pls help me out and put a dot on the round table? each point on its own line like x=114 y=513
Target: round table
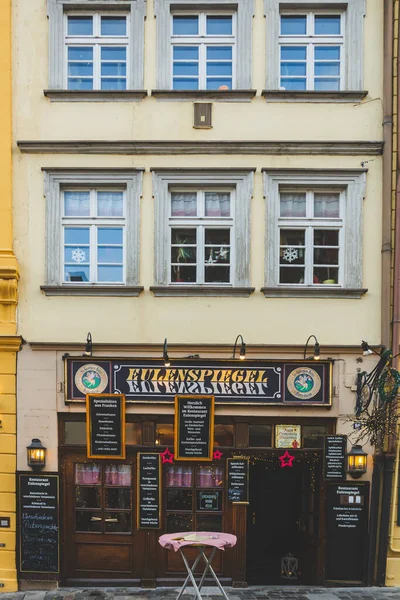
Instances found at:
x=199 y=540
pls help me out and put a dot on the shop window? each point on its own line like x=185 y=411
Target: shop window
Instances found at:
x=313 y=436
x=194 y=497
x=133 y=434
x=260 y=436
x=223 y=435
x=164 y=434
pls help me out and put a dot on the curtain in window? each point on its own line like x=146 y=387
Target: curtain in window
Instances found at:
x=184 y=204
x=293 y=205
x=118 y=475
x=326 y=205
x=110 y=204
x=88 y=474
x=218 y=204
x=77 y=204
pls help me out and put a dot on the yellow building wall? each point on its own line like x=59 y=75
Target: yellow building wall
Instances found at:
x=9 y=343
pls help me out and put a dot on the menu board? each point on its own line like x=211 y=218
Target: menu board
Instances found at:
x=209 y=500
x=38 y=523
x=347 y=531
x=238 y=480
x=105 y=425
x=335 y=457
x=149 y=491
x=194 y=428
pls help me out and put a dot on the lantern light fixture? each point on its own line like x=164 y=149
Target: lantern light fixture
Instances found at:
x=317 y=350
x=356 y=462
x=89 y=345
x=366 y=348
x=167 y=362
x=242 y=353
x=36 y=455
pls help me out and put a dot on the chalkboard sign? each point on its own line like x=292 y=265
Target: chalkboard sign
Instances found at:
x=105 y=425
x=346 y=531
x=149 y=491
x=194 y=428
x=38 y=523
x=209 y=500
x=238 y=480
x=335 y=457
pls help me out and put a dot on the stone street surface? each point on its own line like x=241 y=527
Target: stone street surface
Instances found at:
x=212 y=593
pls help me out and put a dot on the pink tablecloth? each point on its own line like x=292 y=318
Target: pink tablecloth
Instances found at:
x=174 y=541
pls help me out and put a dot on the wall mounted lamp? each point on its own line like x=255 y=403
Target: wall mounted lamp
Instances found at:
x=36 y=455
x=89 y=345
x=356 y=462
x=317 y=351
x=167 y=362
x=242 y=353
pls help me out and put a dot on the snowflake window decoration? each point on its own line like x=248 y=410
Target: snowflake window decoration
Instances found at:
x=78 y=255
x=290 y=254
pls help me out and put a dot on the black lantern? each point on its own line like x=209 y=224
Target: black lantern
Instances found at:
x=36 y=454
x=356 y=462
x=317 y=351
x=242 y=353
x=167 y=362
x=89 y=345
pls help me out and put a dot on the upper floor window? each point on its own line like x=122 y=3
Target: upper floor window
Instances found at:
x=203 y=51
x=311 y=51
x=97 y=50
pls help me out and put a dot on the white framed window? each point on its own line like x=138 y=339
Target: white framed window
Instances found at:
x=311 y=50
x=96 y=51
x=93 y=234
x=92 y=231
x=311 y=236
x=203 y=47
x=313 y=241
x=201 y=233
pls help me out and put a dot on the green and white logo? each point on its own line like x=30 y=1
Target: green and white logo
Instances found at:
x=304 y=383
x=91 y=378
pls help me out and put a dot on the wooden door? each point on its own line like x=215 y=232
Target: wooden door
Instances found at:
x=99 y=521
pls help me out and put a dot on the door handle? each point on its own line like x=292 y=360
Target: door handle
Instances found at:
x=254 y=518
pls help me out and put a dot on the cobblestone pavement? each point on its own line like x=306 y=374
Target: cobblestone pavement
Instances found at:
x=211 y=593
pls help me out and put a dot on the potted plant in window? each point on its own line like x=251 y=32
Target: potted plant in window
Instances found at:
x=182 y=256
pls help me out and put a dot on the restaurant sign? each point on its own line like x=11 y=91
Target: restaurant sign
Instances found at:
x=230 y=382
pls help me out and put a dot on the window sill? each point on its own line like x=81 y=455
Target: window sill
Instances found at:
x=200 y=290
x=95 y=95
x=211 y=95
x=91 y=290
x=313 y=292
x=311 y=96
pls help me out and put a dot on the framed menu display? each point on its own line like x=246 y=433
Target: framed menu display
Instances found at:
x=238 y=480
x=149 y=490
x=105 y=426
x=194 y=428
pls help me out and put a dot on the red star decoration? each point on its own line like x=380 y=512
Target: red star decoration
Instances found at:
x=167 y=456
x=286 y=460
x=217 y=455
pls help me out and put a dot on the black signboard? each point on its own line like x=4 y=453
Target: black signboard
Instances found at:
x=347 y=531
x=38 y=523
x=194 y=427
x=105 y=425
x=238 y=480
x=209 y=500
x=335 y=457
x=230 y=382
x=149 y=491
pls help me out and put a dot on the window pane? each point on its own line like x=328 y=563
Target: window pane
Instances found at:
x=133 y=434
x=293 y=69
x=326 y=237
x=209 y=476
x=313 y=435
x=115 y=53
x=260 y=436
x=183 y=204
x=217 y=236
x=292 y=250
x=223 y=435
x=88 y=521
x=217 y=274
x=182 y=274
x=327 y=53
x=80 y=25
x=110 y=235
x=292 y=205
x=185 y=84
x=293 y=53
x=75 y=432
x=186 y=69
x=179 y=476
x=178 y=522
x=219 y=25
x=216 y=84
x=87 y=474
x=76 y=235
x=179 y=499
x=293 y=25
x=326 y=256
x=326 y=275
x=80 y=69
x=113 y=84
x=209 y=522
x=183 y=255
x=326 y=205
x=76 y=204
x=117 y=498
x=76 y=255
x=219 y=68
x=183 y=236
x=185 y=25
x=164 y=434
x=293 y=84
x=118 y=475
x=76 y=274
x=117 y=522
x=87 y=497
x=111 y=274
x=107 y=254
x=186 y=53
x=326 y=84
x=113 y=25
x=217 y=255
x=291 y=275
x=217 y=204
x=80 y=84
x=327 y=69
x=208 y=501
x=110 y=204
x=80 y=53
x=219 y=52
x=327 y=25
x=113 y=69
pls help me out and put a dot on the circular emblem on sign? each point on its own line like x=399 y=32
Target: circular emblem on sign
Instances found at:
x=304 y=383
x=91 y=378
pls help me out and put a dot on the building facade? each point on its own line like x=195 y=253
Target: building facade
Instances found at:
x=9 y=342
x=190 y=172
